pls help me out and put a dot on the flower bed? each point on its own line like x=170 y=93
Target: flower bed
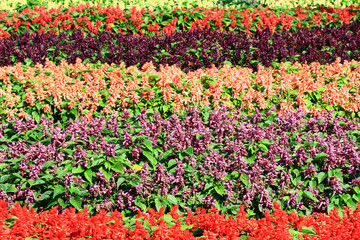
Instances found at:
x=12 y=5
x=98 y=19
x=231 y=124
x=20 y=223
x=206 y=159
x=190 y=50
x=68 y=91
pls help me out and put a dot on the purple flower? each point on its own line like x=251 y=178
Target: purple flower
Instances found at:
x=335 y=185
x=209 y=201
x=127 y=140
x=265 y=198
x=125 y=115
x=309 y=172
x=136 y=152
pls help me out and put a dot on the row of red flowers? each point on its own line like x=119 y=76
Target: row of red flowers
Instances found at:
x=96 y=19
x=19 y=223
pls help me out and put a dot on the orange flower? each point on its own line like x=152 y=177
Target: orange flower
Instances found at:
x=167 y=93
x=179 y=104
x=134 y=97
x=71 y=105
x=29 y=97
x=46 y=108
x=148 y=95
x=205 y=100
x=22 y=114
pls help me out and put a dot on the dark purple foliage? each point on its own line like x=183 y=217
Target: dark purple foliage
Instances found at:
x=189 y=50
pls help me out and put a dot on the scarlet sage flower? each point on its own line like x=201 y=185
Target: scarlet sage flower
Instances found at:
x=98 y=23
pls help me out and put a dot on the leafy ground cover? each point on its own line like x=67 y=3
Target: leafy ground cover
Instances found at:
x=98 y=19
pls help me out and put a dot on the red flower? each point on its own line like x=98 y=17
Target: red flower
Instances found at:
x=98 y=23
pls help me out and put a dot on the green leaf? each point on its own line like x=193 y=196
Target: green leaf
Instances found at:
x=320 y=156
x=158 y=204
x=88 y=175
x=107 y=165
x=167 y=218
x=220 y=190
x=341 y=123
x=120 y=181
x=166 y=154
x=59 y=189
x=108 y=175
x=61 y=173
x=148 y=145
x=68 y=151
x=206 y=115
x=330 y=207
x=146 y=225
x=189 y=151
x=45 y=195
x=39 y=182
x=150 y=157
x=339 y=174
x=263 y=148
x=250 y=159
x=48 y=164
x=244 y=178
x=77 y=170
x=10 y=188
x=118 y=167
x=4 y=178
x=346 y=197
x=171 y=163
x=297 y=147
x=76 y=202
x=62 y=203
x=294 y=233
x=351 y=203
x=356 y=197
x=31 y=182
x=266 y=142
x=321 y=176
x=312 y=183
x=172 y=199
x=308 y=230
x=35 y=116
x=28 y=61
x=310 y=195
x=208 y=186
